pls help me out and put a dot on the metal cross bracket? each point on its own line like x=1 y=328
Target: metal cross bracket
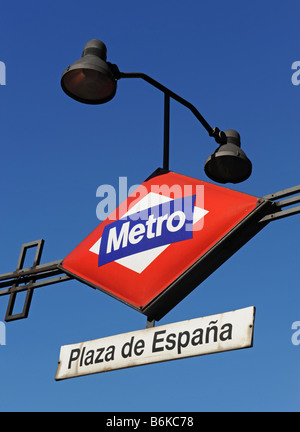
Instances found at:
x=28 y=279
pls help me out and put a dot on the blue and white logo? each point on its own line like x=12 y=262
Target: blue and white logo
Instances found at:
x=160 y=225
x=146 y=230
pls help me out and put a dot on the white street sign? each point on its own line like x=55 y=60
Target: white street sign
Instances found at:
x=195 y=337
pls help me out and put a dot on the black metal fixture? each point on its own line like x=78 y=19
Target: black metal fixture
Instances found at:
x=92 y=80
x=229 y=163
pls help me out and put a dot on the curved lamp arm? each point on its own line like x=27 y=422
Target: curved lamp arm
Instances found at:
x=218 y=135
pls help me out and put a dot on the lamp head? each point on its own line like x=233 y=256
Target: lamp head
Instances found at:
x=90 y=79
x=229 y=164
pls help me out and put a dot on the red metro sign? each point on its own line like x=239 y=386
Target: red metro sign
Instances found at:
x=164 y=240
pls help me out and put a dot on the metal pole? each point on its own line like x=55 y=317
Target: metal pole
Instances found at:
x=166 y=132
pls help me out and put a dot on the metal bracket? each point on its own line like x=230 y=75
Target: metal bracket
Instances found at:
x=278 y=213
x=150 y=323
x=26 y=279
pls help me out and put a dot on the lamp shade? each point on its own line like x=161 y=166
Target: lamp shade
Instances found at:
x=90 y=79
x=229 y=164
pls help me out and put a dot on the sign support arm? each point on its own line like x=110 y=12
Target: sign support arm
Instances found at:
x=27 y=279
x=278 y=213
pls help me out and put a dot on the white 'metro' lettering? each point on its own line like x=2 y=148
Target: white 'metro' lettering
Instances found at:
x=138 y=231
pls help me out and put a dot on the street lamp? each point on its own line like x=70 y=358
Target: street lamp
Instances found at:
x=228 y=164
x=93 y=80
x=90 y=79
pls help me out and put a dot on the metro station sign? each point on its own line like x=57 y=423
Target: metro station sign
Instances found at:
x=164 y=240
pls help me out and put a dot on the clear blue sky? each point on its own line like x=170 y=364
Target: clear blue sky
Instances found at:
x=232 y=60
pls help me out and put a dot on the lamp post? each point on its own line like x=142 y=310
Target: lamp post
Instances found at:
x=93 y=80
